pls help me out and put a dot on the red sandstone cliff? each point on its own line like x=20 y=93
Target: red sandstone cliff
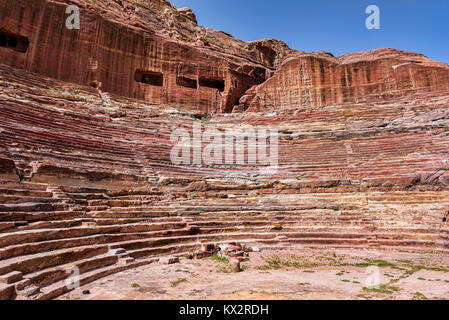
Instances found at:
x=306 y=81
x=153 y=51
x=147 y=50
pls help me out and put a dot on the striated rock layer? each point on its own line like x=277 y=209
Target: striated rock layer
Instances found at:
x=98 y=191
x=310 y=80
x=86 y=177
x=140 y=49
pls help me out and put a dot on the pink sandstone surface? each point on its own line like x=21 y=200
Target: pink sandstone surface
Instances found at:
x=86 y=116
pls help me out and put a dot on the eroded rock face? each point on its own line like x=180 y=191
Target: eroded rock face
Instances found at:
x=152 y=51
x=87 y=179
x=147 y=50
x=315 y=80
x=187 y=12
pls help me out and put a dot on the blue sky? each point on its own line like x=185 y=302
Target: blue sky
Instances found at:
x=332 y=25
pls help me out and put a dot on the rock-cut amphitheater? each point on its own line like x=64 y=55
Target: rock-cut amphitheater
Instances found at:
x=86 y=118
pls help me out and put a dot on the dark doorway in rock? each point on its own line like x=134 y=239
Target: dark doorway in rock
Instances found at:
x=13 y=41
x=267 y=54
x=212 y=83
x=186 y=82
x=3 y=40
x=149 y=77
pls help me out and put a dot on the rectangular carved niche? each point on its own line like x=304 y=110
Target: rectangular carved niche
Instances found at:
x=212 y=83
x=13 y=41
x=186 y=82
x=150 y=77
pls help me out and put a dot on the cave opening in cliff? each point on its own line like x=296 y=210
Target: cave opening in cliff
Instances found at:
x=268 y=55
x=150 y=77
x=13 y=41
x=186 y=82
x=212 y=83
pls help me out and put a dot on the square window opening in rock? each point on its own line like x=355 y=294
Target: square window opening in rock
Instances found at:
x=13 y=41
x=212 y=83
x=186 y=82
x=150 y=77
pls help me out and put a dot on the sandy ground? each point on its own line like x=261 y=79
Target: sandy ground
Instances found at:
x=302 y=273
